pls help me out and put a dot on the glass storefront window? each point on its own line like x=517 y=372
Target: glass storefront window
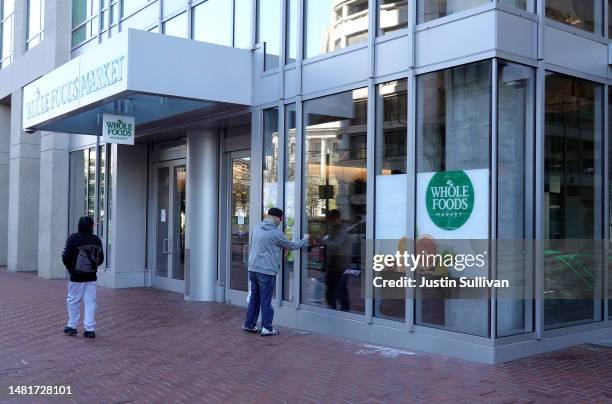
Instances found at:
x=90 y=191
x=453 y=143
x=392 y=15
x=289 y=206
x=583 y=14
x=36 y=22
x=433 y=9
x=242 y=24
x=212 y=22
x=609 y=262
x=129 y=7
x=331 y=25
x=6 y=31
x=391 y=218
x=292 y=30
x=334 y=192
x=521 y=4
x=573 y=201
x=84 y=20
x=515 y=127
x=176 y=26
x=270 y=159
x=268 y=31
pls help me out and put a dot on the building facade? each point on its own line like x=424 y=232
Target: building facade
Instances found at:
x=341 y=112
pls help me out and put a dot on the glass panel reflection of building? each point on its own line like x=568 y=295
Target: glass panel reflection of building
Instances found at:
x=335 y=200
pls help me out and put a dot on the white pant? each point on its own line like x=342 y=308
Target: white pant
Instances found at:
x=78 y=291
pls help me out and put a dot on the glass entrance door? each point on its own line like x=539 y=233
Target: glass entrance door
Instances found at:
x=239 y=204
x=170 y=182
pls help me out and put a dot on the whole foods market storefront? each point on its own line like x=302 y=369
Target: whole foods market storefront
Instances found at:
x=445 y=162
x=155 y=197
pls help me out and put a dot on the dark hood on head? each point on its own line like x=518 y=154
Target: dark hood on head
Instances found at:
x=86 y=225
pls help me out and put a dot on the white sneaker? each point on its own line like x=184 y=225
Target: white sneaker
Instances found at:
x=268 y=332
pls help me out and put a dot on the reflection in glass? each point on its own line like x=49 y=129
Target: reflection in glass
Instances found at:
x=289 y=206
x=109 y=196
x=163 y=230
x=239 y=210
x=270 y=160
x=572 y=200
x=609 y=261
x=583 y=14
x=128 y=7
x=268 y=30
x=176 y=26
x=516 y=92
x=242 y=24
x=179 y=223
x=36 y=22
x=335 y=177
x=521 y=4
x=453 y=132
x=432 y=9
x=212 y=22
x=391 y=179
x=101 y=191
x=292 y=27
x=6 y=30
x=392 y=15
x=84 y=20
x=334 y=24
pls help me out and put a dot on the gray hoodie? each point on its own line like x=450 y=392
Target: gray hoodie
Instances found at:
x=266 y=247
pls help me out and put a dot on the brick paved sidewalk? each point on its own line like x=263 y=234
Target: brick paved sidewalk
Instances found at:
x=152 y=346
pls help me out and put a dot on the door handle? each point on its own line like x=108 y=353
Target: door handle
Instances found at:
x=165 y=247
x=245 y=248
x=170 y=246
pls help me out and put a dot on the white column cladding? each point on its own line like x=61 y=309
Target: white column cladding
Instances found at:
x=5 y=142
x=53 y=212
x=24 y=188
x=126 y=261
x=202 y=214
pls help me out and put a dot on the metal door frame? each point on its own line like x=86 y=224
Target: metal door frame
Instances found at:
x=232 y=295
x=166 y=283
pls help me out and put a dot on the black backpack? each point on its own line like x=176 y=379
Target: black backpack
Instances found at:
x=87 y=259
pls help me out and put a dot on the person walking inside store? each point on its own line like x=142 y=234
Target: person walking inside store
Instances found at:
x=265 y=255
x=82 y=256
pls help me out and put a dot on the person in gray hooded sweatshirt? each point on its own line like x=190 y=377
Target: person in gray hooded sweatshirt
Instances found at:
x=265 y=255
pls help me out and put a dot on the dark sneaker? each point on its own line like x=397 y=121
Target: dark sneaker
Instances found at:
x=253 y=330
x=89 y=334
x=70 y=331
x=268 y=332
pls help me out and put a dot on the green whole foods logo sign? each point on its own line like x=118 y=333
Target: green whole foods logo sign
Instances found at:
x=450 y=199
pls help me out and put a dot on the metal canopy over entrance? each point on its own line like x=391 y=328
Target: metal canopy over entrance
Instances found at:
x=142 y=74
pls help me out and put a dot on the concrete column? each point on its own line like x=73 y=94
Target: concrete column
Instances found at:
x=125 y=261
x=5 y=142
x=53 y=211
x=24 y=188
x=202 y=214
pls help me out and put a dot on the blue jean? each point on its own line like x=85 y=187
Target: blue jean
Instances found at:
x=262 y=286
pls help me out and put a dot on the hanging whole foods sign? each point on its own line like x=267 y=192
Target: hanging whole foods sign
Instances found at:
x=118 y=129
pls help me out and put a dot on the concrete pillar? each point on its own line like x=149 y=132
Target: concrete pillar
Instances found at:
x=53 y=210
x=202 y=214
x=24 y=188
x=5 y=142
x=125 y=260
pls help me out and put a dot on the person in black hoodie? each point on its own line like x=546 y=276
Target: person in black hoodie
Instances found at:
x=81 y=256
